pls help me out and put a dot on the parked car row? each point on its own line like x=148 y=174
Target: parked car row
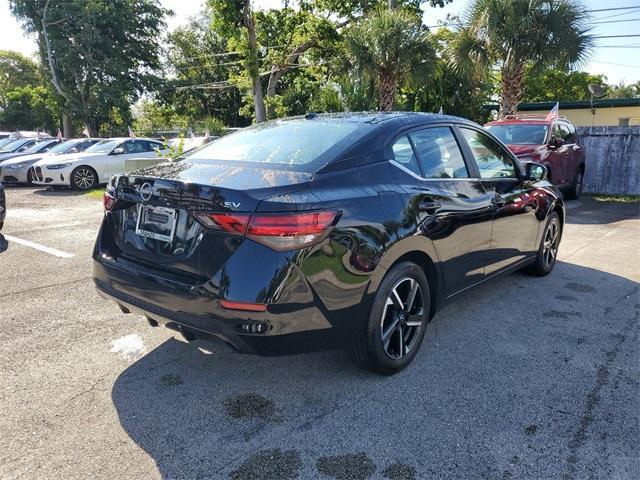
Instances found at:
x=81 y=163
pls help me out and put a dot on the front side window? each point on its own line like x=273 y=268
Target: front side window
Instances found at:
x=492 y=160
x=103 y=146
x=567 y=134
x=404 y=155
x=438 y=153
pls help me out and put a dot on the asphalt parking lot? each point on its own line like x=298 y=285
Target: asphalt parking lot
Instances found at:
x=521 y=378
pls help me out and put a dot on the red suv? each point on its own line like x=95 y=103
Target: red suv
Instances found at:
x=551 y=142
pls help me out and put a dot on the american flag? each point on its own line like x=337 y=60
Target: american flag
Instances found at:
x=554 y=113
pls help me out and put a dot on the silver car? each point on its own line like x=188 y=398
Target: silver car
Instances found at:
x=18 y=170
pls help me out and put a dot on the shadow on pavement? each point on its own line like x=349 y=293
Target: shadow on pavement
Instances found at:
x=516 y=370
x=588 y=211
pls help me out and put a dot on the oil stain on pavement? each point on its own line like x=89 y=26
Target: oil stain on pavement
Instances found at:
x=399 y=471
x=271 y=464
x=250 y=405
x=355 y=466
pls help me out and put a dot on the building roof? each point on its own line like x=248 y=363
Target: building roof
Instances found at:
x=577 y=104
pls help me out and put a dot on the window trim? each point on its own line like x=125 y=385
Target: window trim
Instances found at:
x=467 y=151
x=472 y=170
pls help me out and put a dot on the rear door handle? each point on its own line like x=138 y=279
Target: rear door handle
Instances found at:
x=429 y=206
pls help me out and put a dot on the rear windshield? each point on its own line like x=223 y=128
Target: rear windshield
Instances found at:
x=520 y=134
x=285 y=142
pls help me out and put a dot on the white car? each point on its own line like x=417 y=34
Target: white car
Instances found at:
x=98 y=163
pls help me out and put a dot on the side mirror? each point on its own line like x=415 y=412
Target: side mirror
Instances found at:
x=556 y=142
x=536 y=172
x=118 y=151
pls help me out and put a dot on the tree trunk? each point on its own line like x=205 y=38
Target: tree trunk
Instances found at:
x=393 y=4
x=277 y=71
x=67 y=129
x=387 y=91
x=511 y=88
x=254 y=69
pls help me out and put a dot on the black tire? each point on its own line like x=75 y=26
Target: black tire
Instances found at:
x=83 y=178
x=576 y=189
x=403 y=329
x=548 y=250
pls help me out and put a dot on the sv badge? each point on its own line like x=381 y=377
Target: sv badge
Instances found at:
x=232 y=204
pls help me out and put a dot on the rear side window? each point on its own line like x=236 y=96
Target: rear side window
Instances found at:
x=493 y=162
x=293 y=142
x=404 y=155
x=438 y=153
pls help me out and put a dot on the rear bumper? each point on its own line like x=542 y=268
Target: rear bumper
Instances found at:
x=288 y=328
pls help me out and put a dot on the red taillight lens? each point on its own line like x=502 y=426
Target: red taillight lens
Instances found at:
x=108 y=201
x=247 y=307
x=231 y=223
x=280 y=231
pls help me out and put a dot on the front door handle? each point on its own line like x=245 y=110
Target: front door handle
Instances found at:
x=499 y=201
x=429 y=206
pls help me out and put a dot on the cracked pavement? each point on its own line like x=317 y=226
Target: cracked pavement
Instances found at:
x=520 y=378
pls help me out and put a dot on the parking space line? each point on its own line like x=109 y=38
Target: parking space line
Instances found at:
x=37 y=246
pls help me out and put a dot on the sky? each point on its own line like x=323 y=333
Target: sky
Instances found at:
x=617 y=64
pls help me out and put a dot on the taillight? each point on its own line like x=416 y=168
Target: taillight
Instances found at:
x=279 y=231
x=108 y=201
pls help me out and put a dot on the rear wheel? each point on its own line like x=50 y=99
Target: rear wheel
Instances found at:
x=397 y=322
x=548 y=251
x=576 y=188
x=84 y=178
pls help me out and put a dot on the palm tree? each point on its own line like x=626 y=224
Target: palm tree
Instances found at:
x=514 y=34
x=390 y=45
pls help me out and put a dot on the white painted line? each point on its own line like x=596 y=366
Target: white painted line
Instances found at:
x=37 y=246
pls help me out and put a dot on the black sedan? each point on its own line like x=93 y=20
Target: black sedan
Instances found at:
x=324 y=232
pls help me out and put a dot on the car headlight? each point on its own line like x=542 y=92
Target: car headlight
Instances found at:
x=57 y=166
x=15 y=166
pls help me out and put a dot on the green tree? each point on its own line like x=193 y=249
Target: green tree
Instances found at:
x=623 y=90
x=554 y=84
x=391 y=45
x=16 y=70
x=198 y=69
x=30 y=108
x=512 y=35
x=98 y=54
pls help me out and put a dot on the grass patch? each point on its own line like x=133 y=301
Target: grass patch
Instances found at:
x=616 y=198
x=95 y=194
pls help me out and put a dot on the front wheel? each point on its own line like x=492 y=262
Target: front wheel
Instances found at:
x=548 y=251
x=397 y=322
x=84 y=178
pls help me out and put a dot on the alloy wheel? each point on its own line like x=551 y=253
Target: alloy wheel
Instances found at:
x=402 y=318
x=551 y=240
x=84 y=178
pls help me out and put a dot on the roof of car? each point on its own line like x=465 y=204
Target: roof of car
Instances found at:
x=386 y=118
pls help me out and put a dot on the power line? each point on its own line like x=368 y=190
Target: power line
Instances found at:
x=636 y=10
x=616 y=21
x=612 y=9
x=616 y=64
x=617 y=36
